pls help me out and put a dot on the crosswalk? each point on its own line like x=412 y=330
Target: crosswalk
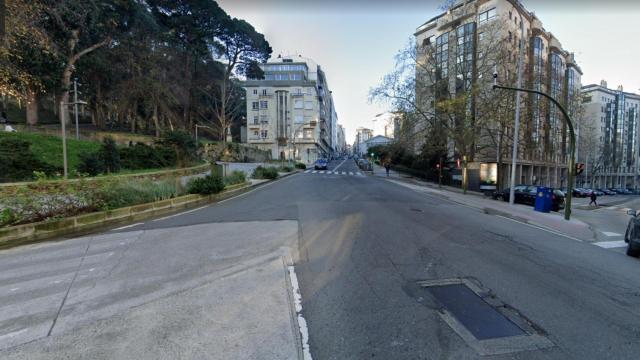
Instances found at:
x=329 y=172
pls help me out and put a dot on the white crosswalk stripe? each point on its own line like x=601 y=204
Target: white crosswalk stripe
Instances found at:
x=331 y=172
x=314 y=171
x=322 y=172
x=350 y=173
x=611 y=244
x=308 y=171
x=344 y=173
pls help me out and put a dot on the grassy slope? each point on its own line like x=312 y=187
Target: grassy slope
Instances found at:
x=49 y=148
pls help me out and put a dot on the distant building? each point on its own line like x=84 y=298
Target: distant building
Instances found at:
x=362 y=135
x=608 y=137
x=291 y=112
x=341 y=143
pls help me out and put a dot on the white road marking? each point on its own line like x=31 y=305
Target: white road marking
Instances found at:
x=539 y=228
x=611 y=244
x=14 y=289
x=302 y=323
x=307 y=171
x=91 y=270
x=344 y=173
x=350 y=173
x=359 y=174
x=128 y=226
x=329 y=172
x=12 y=334
x=340 y=164
x=179 y=214
x=607 y=233
x=314 y=171
x=322 y=172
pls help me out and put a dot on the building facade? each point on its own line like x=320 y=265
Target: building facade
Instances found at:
x=360 y=144
x=291 y=111
x=341 y=142
x=608 y=143
x=463 y=47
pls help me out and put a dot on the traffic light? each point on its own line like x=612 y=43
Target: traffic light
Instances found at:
x=579 y=168
x=458 y=162
x=437 y=166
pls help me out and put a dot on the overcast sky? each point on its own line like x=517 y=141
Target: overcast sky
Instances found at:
x=355 y=40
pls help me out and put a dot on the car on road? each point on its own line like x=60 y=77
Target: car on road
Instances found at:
x=364 y=165
x=606 y=191
x=321 y=164
x=580 y=192
x=598 y=192
x=632 y=235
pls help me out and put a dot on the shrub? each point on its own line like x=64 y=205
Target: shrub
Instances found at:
x=143 y=156
x=114 y=194
x=18 y=162
x=90 y=163
x=265 y=173
x=236 y=177
x=205 y=185
x=182 y=144
x=110 y=155
x=300 y=166
x=285 y=169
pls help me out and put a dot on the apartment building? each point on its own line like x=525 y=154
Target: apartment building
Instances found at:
x=290 y=112
x=462 y=47
x=608 y=137
x=360 y=144
x=341 y=142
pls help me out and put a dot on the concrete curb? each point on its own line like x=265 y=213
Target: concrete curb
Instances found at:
x=13 y=236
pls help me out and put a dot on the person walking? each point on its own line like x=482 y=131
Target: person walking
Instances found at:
x=387 y=166
x=594 y=197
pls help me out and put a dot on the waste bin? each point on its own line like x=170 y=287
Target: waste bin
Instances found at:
x=543 y=199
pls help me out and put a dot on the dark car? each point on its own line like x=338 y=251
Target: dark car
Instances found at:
x=321 y=164
x=632 y=235
x=526 y=194
x=608 y=192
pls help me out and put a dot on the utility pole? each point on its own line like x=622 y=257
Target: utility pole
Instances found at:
x=516 y=134
x=75 y=106
x=64 y=143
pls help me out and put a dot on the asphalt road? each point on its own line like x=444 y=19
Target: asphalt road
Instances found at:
x=364 y=244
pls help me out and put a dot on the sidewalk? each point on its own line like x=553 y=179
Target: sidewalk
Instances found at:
x=552 y=221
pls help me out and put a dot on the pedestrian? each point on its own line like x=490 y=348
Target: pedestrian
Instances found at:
x=593 y=199
x=387 y=166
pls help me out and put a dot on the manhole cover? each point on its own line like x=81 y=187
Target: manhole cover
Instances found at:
x=488 y=325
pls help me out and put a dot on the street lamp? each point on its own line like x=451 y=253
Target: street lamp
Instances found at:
x=572 y=142
x=516 y=129
x=64 y=133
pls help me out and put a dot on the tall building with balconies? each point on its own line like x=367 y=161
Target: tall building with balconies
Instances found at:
x=609 y=138
x=460 y=50
x=290 y=112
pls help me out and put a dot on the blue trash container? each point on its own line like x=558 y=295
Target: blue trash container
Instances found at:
x=543 y=199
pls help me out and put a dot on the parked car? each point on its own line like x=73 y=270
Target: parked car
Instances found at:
x=598 y=192
x=526 y=194
x=580 y=192
x=632 y=235
x=365 y=165
x=321 y=164
x=606 y=191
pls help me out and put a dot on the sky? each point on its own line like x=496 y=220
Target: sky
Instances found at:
x=355 y=41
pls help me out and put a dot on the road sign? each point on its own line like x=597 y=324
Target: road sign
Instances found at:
x=579 y=168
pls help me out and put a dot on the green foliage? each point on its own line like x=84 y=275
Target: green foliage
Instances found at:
x=285 y=169
x=236 y=177
x=265 y=173
x=205 y=185
x=109 y=155
x=115 y=194
x=48 y=148
x=91 y=164
x=18 y=162
x=182 y=144
x=142 y=156
x=300 y=166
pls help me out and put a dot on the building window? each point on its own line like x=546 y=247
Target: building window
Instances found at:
x=510 y=36
x=308 y=105
x=264 y=92
x=264 y=119
x=307 y=133
x=487 y=15
x=509 y=14
x=297 y=91
x=255 y=91
x=264 y=104
x=255 y=120
x=298 y=104
x=298 y=119
x=310 y=91
x=263 y=134
x=442 y=56
x=256 y=134
x=254 y=105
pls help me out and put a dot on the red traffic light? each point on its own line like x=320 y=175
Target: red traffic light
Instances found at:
x=438 y=166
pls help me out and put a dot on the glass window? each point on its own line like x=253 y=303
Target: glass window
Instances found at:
x=298 y=119
x=298 y=104
x=309 y=91
x=256 y=133
x=255 y=119
x=263 y=133
x=264 y=92
x=264 y=119
x=255 y=91
x=264 y=104
x=254 y=105
x=308 y=105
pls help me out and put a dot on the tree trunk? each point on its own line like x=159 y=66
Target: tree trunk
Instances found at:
x=154 y=117
x=32 y=107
